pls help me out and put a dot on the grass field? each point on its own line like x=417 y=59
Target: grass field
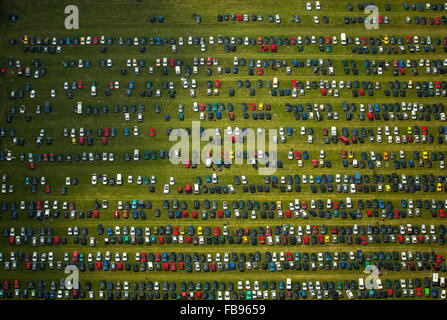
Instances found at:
x=131 y=19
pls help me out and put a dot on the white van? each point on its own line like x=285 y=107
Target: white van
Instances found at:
x=119 y=180
x=177 y=69
x=343 y=39
x=196 y=188
x=435 y=279
x=334 y=131
x=348 y=203
x=361 y=284
x=79 y=108
x=442 y=282
x=136 y=155
x=288 y=284
x=214 y=178
x=275 y=83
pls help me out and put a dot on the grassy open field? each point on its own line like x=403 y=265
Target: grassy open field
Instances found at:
x=129 y=18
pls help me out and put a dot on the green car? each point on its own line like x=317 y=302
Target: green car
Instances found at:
x=248 y=295
x=427 y=292
x=64 y=190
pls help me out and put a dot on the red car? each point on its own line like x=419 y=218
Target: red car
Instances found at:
x=95 y=40
x=320 y=239
x=152 y=132
x=441 y=213
x=32 y=166
x=187 y=165
x=81 y=140
x=216 y=231
x=293 y=41
x=314 y=163
x=306 y=240
x=3 y=71
x=106 y=132
x=16 y=284
x=47 y=189
x=220 y=214
x=80 y=84
x=111 y=85
x=294 y=84
x=173 y=266
x=297 y=155
x=419 y=292
x=116 y=214
x=195 y=215
x=96 y=214
x=217 y=83
x=171 y=62
x=181 y=266
x=260 y=71
x=424 y=130
x=363 y=240
x=261 y=239
x=104 y=140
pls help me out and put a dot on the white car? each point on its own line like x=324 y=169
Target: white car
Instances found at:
x=308 y=6
x=166 y=189
x=171 y=181
x=316 y=20
x=94 y=179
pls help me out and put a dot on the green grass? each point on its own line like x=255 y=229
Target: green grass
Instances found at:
x=129 y=18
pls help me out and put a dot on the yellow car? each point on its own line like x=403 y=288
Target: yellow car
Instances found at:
x=351 y=154
x=231 y=154
x=199 y=231
x=386 y=39
x=73 y=140
x=182 y=230
x=425 y=155
x=387 y=188
x=410 y=130
x=245 y=239
x=326 y=238
x=82 y=41
x=278 y=205
x=439 y=187
x=25 y=39
x=261 y=106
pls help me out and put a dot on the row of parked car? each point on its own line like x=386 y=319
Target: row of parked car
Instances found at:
x=431 y=287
